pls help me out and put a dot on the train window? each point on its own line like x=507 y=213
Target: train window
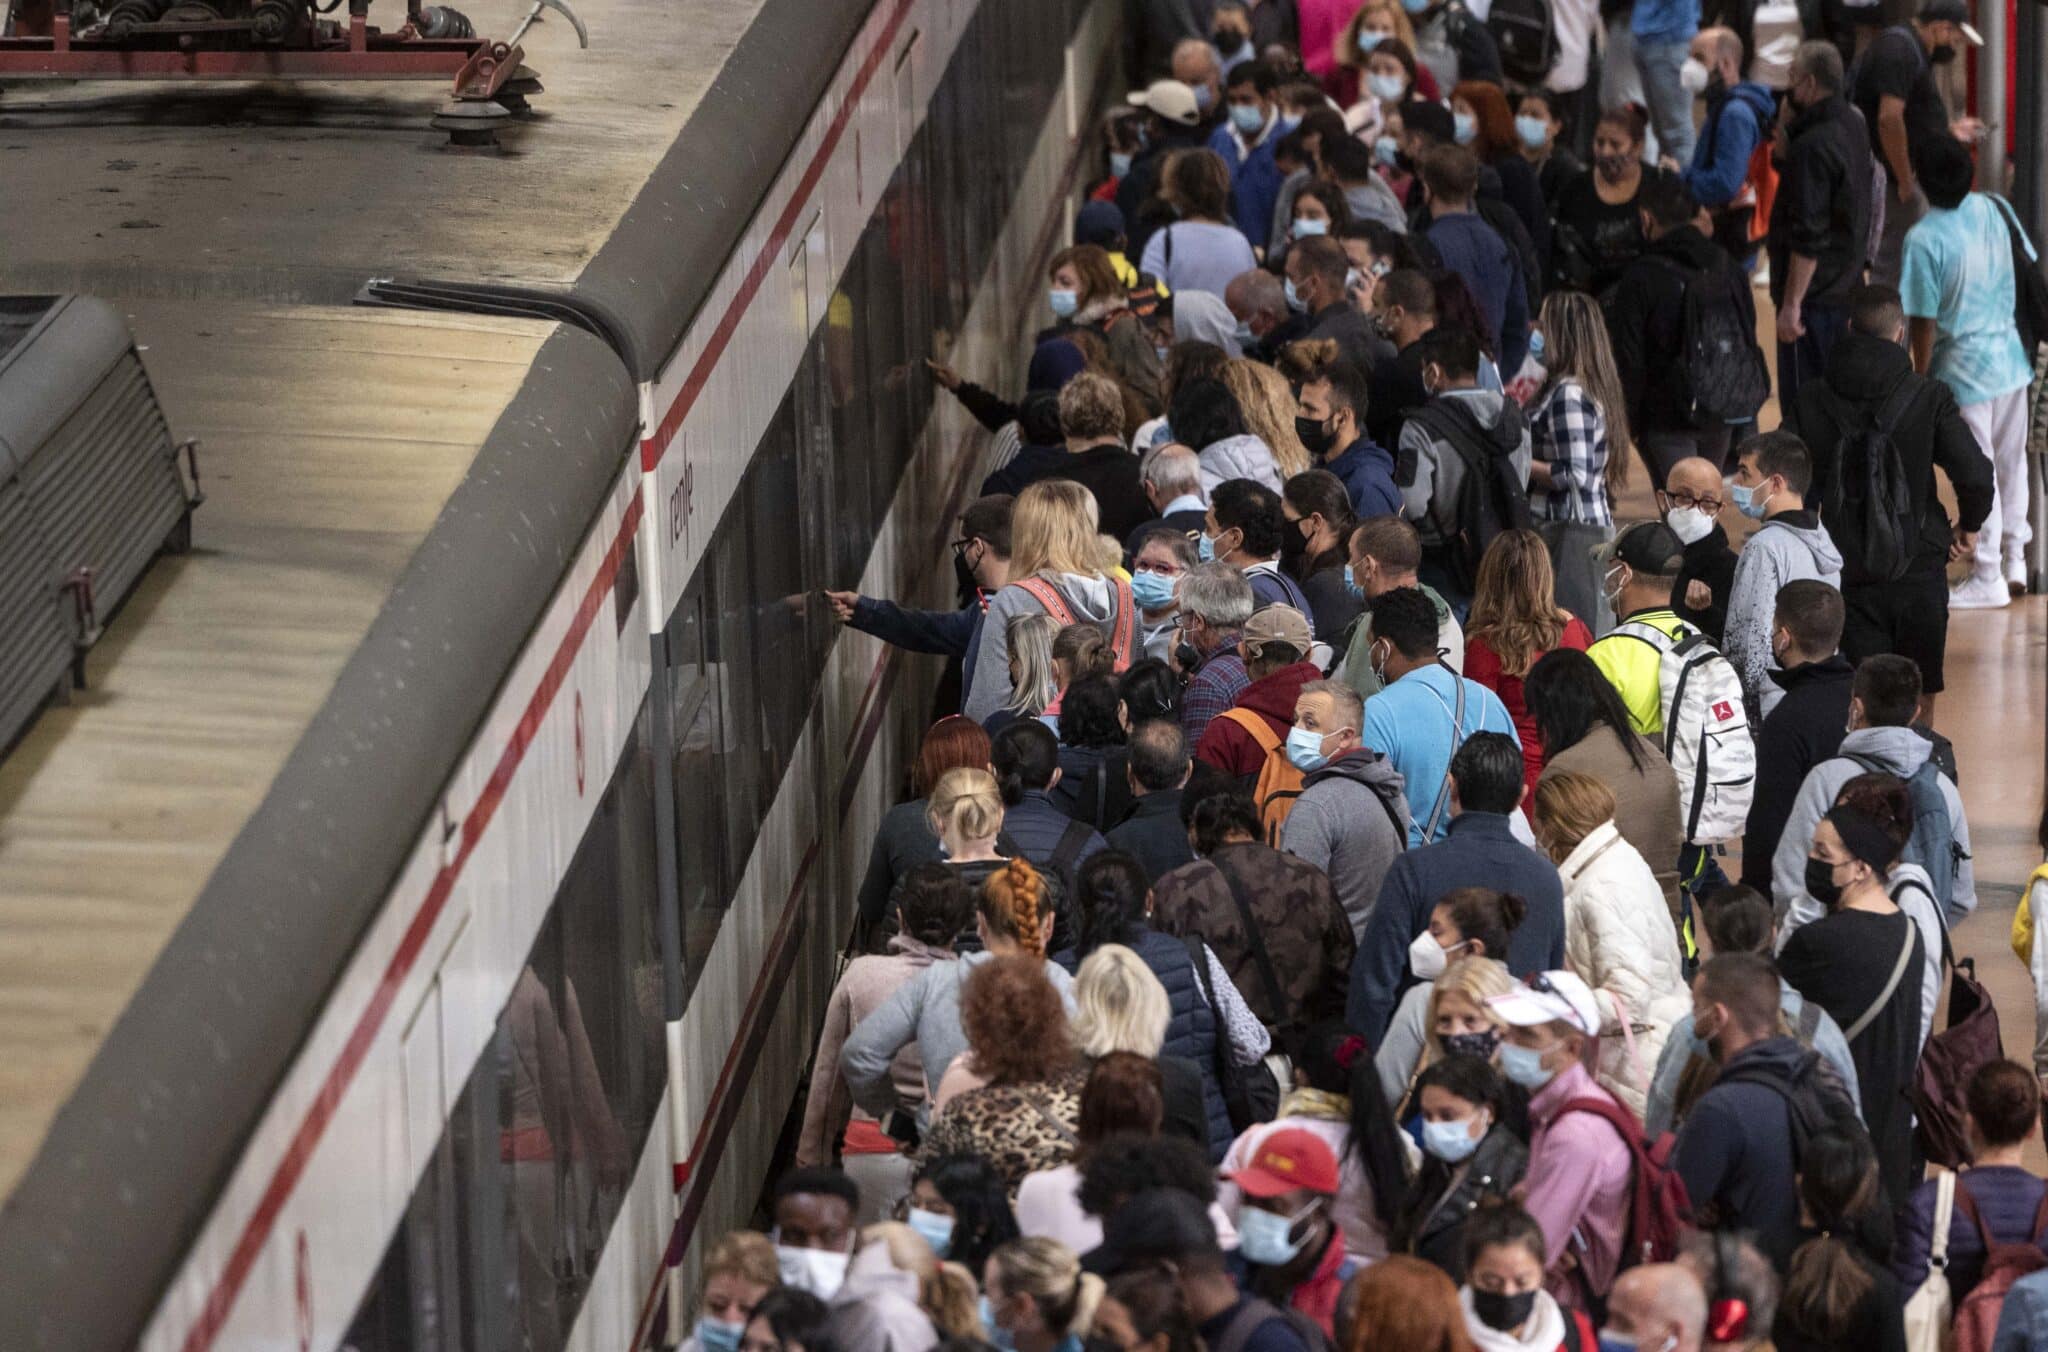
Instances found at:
x=703 y=883
x=883 y=338
x=742 y=750
x=845 y=360
x=781 y=604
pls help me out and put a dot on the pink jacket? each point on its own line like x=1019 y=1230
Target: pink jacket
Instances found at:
x=1321 y=22
x=868 y=983
x=1577 y=1187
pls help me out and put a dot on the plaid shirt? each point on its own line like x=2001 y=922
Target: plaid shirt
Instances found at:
x=1214 y=687
x=1568 y=430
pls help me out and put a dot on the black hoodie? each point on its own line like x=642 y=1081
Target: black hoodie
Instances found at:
x=1805 y=729
x=1862 y=373
x=1646 y=319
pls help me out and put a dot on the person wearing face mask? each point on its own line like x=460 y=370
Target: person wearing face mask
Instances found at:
x=1658 y=1307
x=1471 y=1163
x=1480 y=850
x=740 y=1269
x=1036 y=1298
x=1172 y=121
x=1161 y=554
x=1293 y=1249
x=1240 y=740
x=1539 y=121
x=1642 y=566
x=1335 y=1099
x=1597 y=230
x=1739 y=117
x=1331 y=424
x=1580 y=1180
x=1467 y=930
x=1903 y=108
x=1319 y=521
x=1316 y=271
x=1258 y=301
x=1245 y=139
x=1690 y=504
x=1246 y=528
x=1385 y=554
x=1351 y=818
x=1861 y=963
x=1808 y=724
x=961 y=1208
x=816 y=1212
x=1215 y=600
x=1404 y=312
x=1770 y=484
x=1738 y=1149
x=1506 y=1308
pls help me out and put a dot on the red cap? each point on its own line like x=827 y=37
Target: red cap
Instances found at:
x=1288 y=1159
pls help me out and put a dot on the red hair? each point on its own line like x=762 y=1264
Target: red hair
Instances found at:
x=952 y=743
x=1407 y=1303
x=1496 y=120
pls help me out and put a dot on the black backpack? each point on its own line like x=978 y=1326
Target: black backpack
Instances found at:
x=1491 y=496
x=1813 y=1106
x=1721 y=371
x=1867 y=504
x=1527 y=39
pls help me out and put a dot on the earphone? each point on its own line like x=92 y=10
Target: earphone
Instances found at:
x=1727 y=1316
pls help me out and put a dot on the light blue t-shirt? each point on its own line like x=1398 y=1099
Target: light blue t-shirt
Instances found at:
x=1409 y=723
x=1957 y=271
x=1206 y=256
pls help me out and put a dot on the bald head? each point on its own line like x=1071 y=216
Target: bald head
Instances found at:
x=1661 y=1304
x=1257 y=298
x=1696 y=476
x=1720 y=51
x=1194 y=65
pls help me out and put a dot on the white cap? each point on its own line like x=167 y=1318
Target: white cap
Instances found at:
x=1550 y=997
x=1170 y=99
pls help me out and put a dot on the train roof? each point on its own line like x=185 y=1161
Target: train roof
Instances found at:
x=653 y=145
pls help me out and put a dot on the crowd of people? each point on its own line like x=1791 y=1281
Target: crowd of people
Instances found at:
x=1364 y=891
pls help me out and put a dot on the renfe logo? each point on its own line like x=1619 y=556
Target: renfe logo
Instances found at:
x=1724 y=711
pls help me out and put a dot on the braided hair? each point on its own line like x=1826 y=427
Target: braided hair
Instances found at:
x=1012 y=901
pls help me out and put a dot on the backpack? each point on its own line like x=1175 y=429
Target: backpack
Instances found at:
x=1658 y=1208
x=1721 y=372
x=1527 y=38
x=2029 y=288
x=1492 y=498
x=1933 y=843
x=1867 y=503
x=1278 y=783
x=1746 y=218
x=1122 y=630
x=1809 y=1108
x=1947 y=1061
x=1255 y=1314
x=1706 y=733
x=1976 y=1323
x=1250 y=1093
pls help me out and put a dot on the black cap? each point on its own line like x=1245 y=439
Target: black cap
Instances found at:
x=1431 y=119
x=1950 y=11
x=1157 y=1223
x=1649 y=547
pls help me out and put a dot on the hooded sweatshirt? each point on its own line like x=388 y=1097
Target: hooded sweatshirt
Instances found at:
x=1240 y=457
x=1228 y=746
x=1429 y=472
x=1898 y=750
x=1202 y=317
x=1787 y=548
x=1737 y=119
x=1089 y=598
x=1351 y=821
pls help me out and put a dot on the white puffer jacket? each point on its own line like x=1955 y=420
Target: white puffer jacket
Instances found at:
x=1239 y=457
x=1618 y=939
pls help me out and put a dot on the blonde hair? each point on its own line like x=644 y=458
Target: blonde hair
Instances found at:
x=1514 y=608
x=1478 y=980
x=1048 y=1272
x=1346 y=50
x=969 y=802
x=1269 y=408
x=1119 y=1005
x=1083 y=650
x=945 y=1291
x=745 y=1254
x=1031 y=639
x=1052 y=529
x=1092 y=407
x=1576 y=347
x=1569 y=807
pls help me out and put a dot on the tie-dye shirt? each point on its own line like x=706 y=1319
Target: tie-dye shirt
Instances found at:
x=1958 y=272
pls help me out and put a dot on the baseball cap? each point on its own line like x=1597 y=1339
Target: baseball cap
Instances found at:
x=1157 y=1223
x=1549 y=997
x=1170 y=99
x=1431 y=119
x=1648 y=547
x=1099 y=223
x=1951 y=11
x=1277 y=624
x=1285 y=1160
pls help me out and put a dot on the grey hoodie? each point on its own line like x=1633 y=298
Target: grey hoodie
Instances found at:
x=1429 y=473
x=1340 y=824
x=1201 y=316
x=1899 y=750
x=1239 y=457
x=1786 y=548
x=1089 y=598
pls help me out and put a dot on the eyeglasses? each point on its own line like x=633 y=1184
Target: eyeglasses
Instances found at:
x=960 y=545
x=1686 y=498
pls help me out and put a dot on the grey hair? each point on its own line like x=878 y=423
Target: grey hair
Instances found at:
x=1173 y=469
x=1218 y=593
x=1031 y=639
x=1822 y=61
x=1350 y=706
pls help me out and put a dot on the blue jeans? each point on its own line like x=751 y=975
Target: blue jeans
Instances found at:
x=1807 y=359
x=1670 y=102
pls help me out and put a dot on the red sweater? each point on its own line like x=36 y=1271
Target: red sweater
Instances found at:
x=1482 y=664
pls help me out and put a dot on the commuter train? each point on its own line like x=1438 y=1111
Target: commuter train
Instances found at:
x=415 y=928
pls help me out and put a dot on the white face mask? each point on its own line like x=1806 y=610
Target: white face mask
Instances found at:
x=1689 y=524
x=1428 y=959
x=818 y=1271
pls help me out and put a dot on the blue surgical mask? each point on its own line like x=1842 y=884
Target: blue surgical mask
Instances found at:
x=1305 y=226
x=1203 y=97
x=1368 y=39
x=1536 y=344
x=1305 y=750
x=1205 y=548
x=934 y=1229
x=715 y=1335
x=1748 y=501
x=1351 y=583
x=1153 y=591
x=1119 y=164
x=1063 y=301
x=1294 y=300
x=1247 y=118
x=1464 y=128
x=1524 y=1065
x=1534 y=131
x=1266 y=1238
x=999 y=1337
x=1386 y=88
x=1451 y=1142
x=1288 y=122
x=1415 y=6
x=1244 y=335
x=1386 y=150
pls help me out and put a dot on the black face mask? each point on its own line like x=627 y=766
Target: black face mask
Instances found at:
x=1188 y=656
x=1821 y=884
x=1316 y=436
x=1497 y=1310
x=1228 y=41
x=962 y=574
x=1292 y=546
x=1942 y=55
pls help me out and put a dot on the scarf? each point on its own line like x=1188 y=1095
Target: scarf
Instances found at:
x=1544 y=1332
x=1316 y=1103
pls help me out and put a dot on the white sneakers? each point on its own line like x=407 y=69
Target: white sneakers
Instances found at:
x=1979 y=591
x=2016 y=574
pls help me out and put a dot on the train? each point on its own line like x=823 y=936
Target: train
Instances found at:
x=418 y=923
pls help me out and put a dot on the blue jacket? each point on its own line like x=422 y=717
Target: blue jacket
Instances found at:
x=1475 y=251
x=1368 y=474
x=1736 y=122
x=949 y=633
x=1254 y=183
x=1480 y=851
x=2006 y=1197
x=2023 y=1319
x=1153 y=834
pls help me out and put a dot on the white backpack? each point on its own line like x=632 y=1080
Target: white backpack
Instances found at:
x=1706 y=731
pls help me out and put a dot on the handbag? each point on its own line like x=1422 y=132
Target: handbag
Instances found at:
x=2029 y=288
x=1250 y=1094
x=1932 y=1307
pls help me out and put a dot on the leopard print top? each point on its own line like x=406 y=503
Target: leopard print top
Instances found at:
x=1015 y=1127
